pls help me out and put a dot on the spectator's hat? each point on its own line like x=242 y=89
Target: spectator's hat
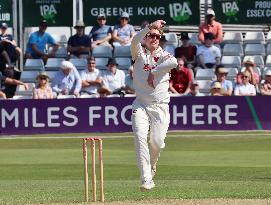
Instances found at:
x=268 y=73
x=43 y=23
x=216 y=85
x=249 y=61
x=209 y=36
x=43 y=74
x=184 y=36
x=195 y=82
x=4 y=25
x=210 y=12
x=221 y=69
x=66 y=65
x=125 y=15
x=112 y=61
x=79 y=24
x=101 y=16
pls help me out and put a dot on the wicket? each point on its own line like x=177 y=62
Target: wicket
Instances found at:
x=100 y=144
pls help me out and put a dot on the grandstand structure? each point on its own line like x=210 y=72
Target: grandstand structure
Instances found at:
x=240 y=42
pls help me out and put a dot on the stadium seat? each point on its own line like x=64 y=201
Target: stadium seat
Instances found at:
x=205 y=74
x=233 y=37
x=29 y=76
x=21 y=97
x=102 y=52
x=257 y=59
x=268 y=61
x=268 y=49
x=20 y=89
x=172 y=39
x=232 y=72
x=101 y=63
x=265 y=70
x=79 y=63
x=231 y=61
x=204 y=86
x=255 y=49
x=65 y=96
x=61 y=52
x=124 y=63
x=254 y=37
x=194 y=38
x=51 y=74
x=53 y=63
x=34 y=64
x=233 y=50
x=122 y=51
x=268 y=37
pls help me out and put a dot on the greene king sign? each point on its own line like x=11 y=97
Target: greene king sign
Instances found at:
x=172 y=11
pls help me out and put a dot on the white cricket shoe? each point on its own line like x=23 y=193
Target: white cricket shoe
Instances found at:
x=153 y=171
x=147 y=186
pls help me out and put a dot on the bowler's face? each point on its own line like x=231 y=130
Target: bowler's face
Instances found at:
x=152 y=39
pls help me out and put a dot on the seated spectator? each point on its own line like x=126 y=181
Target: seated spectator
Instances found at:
x=101 y=34
x=79 y=44
x=129 y=87
x=208 y=54
x=180 y=79
x=10 y=81
x=186 y=51
x=245 y=88
x=211 y=26
x=37 y=42
x=249 y=66
x=9 y=43
x=163 y=44
x=266 y=86
x=91 y=79
x=216 y=89
x=67 y=80
x=43 y=89
x=5 y=62
x=226 y=85
x=123 y=33
x=194 y=89
x=113 y=79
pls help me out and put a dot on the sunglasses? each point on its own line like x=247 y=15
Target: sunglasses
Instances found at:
x=245 y=77
x=92 y=63
x=124 y=18
x=43 y=78
x=153 y=35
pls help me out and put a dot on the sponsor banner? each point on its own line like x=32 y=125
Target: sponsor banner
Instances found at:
x=242 y=11
x=174 y=12
x=114 y=115
x=56 y=12
x=6 y=12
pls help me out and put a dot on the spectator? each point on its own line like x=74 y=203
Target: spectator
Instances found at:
x=208 y=54
x=211 y=26
x=266 y=86
x=194 y=89
x=101 y=34
x=164 y=46
x=180 y=78
x=91 y=79
x=249 y=66
x=186 y=51
x=226 y=85
x=9 y=43
x=37 y=42
x=129 y=87
x=43 y=89
x=67 y=80
x=216 y=89
x=10 y=81
x=113 y=79
x=79 y=44
x=123 y=33
x=245 y=88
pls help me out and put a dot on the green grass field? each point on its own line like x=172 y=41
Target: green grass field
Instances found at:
x=208 y=165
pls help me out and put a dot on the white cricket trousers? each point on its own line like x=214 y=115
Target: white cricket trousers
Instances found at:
x=154 y=118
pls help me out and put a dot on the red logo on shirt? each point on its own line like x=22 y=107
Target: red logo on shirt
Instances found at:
x=156 y=58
